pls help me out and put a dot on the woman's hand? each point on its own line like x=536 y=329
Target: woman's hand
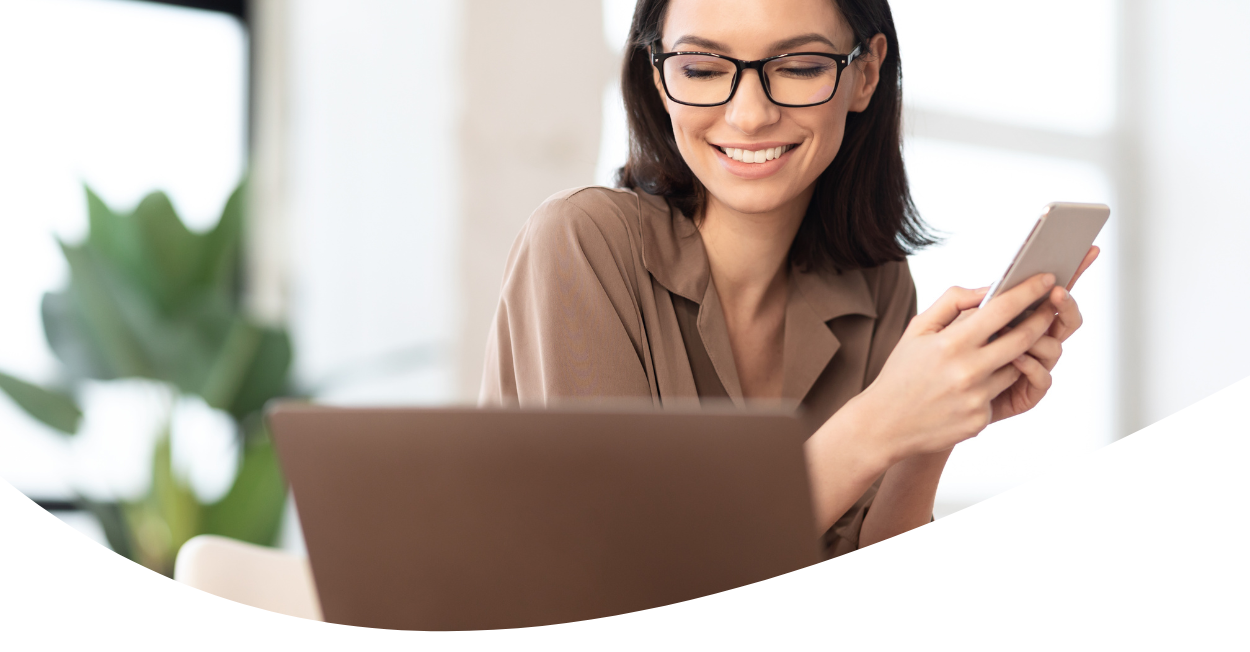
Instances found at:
x=943 y=383
x=1035 y=365
x=937 y=387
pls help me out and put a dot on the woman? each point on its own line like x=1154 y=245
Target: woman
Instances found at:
x=757 y=250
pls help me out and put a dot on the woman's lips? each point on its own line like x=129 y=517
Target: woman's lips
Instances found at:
x=735 y=159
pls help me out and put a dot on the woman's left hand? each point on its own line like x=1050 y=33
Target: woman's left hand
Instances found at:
x=1036 y=365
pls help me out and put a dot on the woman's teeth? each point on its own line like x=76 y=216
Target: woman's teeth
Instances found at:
x=759 y=156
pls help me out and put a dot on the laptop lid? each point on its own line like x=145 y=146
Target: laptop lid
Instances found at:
x=447 y=519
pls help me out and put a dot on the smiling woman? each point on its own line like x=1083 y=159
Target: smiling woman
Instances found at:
x=875 y=191
x=756 y=250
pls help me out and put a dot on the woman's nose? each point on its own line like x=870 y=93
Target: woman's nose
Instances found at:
x=750 y=109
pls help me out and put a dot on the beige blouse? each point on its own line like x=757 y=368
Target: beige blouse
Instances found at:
x=608 y=293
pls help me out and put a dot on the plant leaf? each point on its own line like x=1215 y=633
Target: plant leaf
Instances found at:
x=267 y=376
x=233 y=362
x=252 y=510
x=57 y=410
x=114 y=237
x=127 y=333
x=187 y=344
x=222 y=245
x=98 y=302
x=173 y=253
x=66 y=330
x=154 y=250
x=175 y=504
x=148 y=297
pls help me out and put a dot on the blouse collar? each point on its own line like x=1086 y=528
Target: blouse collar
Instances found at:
x=673 y=252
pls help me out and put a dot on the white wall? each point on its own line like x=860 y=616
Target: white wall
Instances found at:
x=1194 y=187
x=373 y=215
x=530 y=125
x=419 y=137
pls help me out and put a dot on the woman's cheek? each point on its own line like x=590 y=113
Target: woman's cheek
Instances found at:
x=830 y=141
x=696 y=153
x=691 y=131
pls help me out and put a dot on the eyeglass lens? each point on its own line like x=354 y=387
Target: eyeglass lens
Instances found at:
x=700 y=79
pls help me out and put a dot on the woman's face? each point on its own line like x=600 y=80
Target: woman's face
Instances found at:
x=810 y=136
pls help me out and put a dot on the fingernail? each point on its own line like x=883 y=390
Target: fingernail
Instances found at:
x=1049 y=279
x=1063 y=294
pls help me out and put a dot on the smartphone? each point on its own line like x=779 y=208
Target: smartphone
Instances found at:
x=1057 y=244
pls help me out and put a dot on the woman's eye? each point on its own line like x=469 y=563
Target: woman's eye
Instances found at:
x=701 y=74
x=804 y=72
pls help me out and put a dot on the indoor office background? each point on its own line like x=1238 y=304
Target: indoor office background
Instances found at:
x=395 y=148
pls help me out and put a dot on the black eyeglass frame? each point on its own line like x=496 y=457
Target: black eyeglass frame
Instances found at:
x=842 y=60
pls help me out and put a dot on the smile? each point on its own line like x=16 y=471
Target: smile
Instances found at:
x=756 y=156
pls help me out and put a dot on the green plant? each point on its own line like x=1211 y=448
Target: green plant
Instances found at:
x=148 y=298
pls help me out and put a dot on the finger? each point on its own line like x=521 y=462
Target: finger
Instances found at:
x=1047 y=351
x=1033 y=369
x=1002 y=380
x=947 y=309
x=1019 y=339
x=1004 y=308
x=1090 y=257
x=964 y=315
x=1068 y=317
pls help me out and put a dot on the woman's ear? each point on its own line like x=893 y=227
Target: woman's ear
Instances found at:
x=869 y=76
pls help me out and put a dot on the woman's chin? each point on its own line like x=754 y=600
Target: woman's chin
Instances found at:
x=758 y=199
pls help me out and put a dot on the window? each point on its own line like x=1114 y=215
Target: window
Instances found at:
x=128 y=97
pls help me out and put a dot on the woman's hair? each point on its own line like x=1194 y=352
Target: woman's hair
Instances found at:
x=861 y=214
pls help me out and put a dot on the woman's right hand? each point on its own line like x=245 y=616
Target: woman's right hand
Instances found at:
x=936 y=387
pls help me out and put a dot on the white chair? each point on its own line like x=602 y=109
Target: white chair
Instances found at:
x=253 y=575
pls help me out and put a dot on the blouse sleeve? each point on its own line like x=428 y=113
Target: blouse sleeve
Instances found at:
x=568 y=324
x=895 y=292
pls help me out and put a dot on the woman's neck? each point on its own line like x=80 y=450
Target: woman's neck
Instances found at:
x=748 y=252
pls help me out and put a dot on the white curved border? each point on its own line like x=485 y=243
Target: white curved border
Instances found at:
x=1143 y=543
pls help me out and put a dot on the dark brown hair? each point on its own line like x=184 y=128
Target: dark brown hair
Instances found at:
x=861 y=214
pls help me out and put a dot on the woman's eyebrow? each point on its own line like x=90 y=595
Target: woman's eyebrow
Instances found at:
x=787 y=44
x=796 y=41
x=698 y=42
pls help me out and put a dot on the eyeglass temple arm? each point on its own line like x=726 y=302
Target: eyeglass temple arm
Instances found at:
x=853 y=55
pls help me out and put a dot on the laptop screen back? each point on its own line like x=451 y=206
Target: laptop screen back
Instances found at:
x=446 y=519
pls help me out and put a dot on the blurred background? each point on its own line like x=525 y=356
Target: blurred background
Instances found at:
x=393 y=150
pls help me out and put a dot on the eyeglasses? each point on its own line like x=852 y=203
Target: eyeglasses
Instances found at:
x=793 y=80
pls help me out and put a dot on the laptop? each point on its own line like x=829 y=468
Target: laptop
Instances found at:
x=458 y=519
